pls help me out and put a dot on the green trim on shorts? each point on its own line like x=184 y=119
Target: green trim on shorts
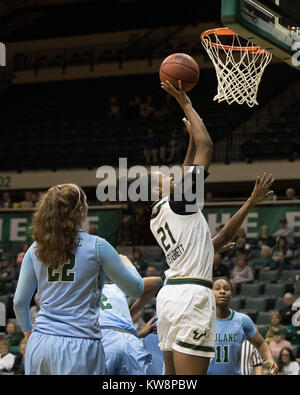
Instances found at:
x=193 y=347
x=198 y=281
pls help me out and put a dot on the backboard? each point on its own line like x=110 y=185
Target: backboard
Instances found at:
x=272 y=24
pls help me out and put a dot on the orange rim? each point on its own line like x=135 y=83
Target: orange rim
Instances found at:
x=224 y=31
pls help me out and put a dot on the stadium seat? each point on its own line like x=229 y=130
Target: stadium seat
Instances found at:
x=289 y=276
x=236 y=303
x=274 y=290
x=250 y=289
x=255 y=303
x=263 y=318
x=267 y=276
x=279 y=304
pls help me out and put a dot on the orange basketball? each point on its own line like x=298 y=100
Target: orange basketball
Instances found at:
x=180 y=66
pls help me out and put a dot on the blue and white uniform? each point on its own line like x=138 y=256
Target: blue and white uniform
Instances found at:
x=125 y=353
x=230 y=335
x=66 y=337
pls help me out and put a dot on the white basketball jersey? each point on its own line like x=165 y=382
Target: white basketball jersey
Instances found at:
x=185 y=240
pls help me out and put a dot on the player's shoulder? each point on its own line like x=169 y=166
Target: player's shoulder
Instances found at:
x=245 y=321
x=242 y=317
x=158 y=206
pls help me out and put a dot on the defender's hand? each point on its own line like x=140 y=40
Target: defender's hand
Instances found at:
x=261 y=189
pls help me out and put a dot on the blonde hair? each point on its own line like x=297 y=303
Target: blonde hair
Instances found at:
x=56 y=222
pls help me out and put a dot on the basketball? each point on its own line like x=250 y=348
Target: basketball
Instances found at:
x=180 y=66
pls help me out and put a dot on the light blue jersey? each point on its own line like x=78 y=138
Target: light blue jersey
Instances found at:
x=114 y=309
x=230 y=334
x=69 y=300
x=125 y=353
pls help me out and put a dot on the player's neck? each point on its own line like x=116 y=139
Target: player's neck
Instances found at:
x=222 y=312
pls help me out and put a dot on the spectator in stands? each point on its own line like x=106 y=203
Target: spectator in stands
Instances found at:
x=151 y=271
x=166 y=108
x=138 y=261
x=93 y=230
x=278 y=343
x=133 y=110
x=287 y=363
x=27 y=203
x=240 y=233
x=209 y=196
x=114 y=109
x=21 y=254
x=174 y=147
x=242 y=272
x=285 y=231
x=19 y=365
x=13 y=337
x=7 y=359
x=267 y=331
x=219 y=269
x=241 y=248
x=292 y=334
x=147 y=108
x=282 y=254
x=152 y=147
x=265 y=261
x=6 y=200
x=34 y=199
x=265 y=238
x=3 y=287
x=286 y=312
x=290 y=194
x=7 y=270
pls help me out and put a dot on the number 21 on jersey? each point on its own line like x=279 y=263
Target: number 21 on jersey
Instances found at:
x=166 y=238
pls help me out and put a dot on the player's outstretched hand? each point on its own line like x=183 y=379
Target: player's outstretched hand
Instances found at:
x=271 y=365
x=179 y=94
x=262 y=187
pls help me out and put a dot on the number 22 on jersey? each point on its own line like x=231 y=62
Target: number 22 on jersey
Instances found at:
x=64 y=274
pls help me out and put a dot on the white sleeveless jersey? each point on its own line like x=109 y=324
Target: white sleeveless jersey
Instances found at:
x=185 y=240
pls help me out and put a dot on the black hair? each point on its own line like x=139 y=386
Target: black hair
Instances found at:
x=225 y=279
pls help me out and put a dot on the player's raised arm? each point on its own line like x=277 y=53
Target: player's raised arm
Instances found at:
x=203 y=146
x=260 y=192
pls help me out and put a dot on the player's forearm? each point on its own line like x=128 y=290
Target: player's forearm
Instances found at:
x=200 y=134
x=151 y=287
x=265 y=351
x=229 y=230
x=190 y=154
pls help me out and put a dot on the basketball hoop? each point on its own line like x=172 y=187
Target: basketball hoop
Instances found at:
x=239 y=68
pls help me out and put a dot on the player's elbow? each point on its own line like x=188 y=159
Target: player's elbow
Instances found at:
x=203 y=142
x=138 y=290
x=18 y=305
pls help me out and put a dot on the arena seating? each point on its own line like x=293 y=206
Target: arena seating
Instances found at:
x=53 y=126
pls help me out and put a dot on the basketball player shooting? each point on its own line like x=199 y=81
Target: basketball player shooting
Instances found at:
x=185 y=305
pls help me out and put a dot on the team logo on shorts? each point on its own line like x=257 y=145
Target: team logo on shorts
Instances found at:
x=198 y=335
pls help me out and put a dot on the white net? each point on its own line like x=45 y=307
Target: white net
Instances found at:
x=239 y=67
